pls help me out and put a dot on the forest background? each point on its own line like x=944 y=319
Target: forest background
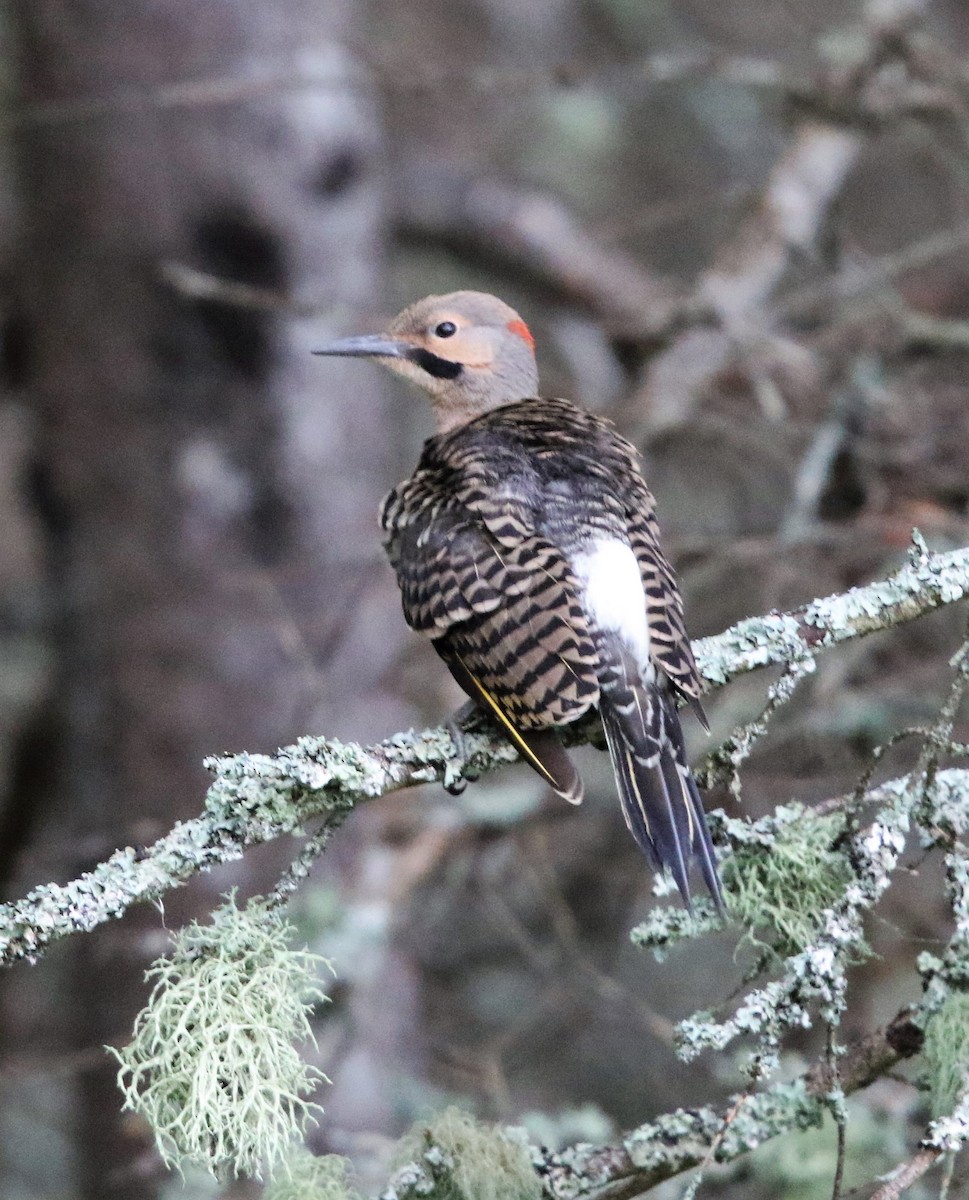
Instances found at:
x=742 y=231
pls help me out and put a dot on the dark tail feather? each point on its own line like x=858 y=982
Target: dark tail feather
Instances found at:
x=556 y=767
x=660 y=800
x=700 y=715
x=702 y=846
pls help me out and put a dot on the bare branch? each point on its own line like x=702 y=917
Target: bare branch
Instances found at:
x=863 y=278
x=536 y=233
x=837 y=108
x=902 y=1179
x=200 y=285
x=802 y=185
x=326 y=72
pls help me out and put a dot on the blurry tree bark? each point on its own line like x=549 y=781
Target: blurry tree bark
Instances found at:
x=188 y=462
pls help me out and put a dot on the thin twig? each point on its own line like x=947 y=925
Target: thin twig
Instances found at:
x=330 y=73
x=724 y=763
x=836 y=1105
x=855 y=281
x=715 y=1145
x=910 y=1173
x=536 y=231
x=199 y=285
x=941 y=732
x=300 y=867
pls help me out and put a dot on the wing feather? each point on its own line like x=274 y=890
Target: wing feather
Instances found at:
x=479 y=578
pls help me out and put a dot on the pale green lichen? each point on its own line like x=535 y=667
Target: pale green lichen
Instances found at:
x=657 y=1150
x=464 y=1159
x=917 y=587
x=780 y=882
x=784 y=871
x=946 y=1000
x=815 y=977
x=213 y=1065
x=752 y=643
x=676 y=1141
x=667 y=925
x=946 y=1053
x=305 y=1176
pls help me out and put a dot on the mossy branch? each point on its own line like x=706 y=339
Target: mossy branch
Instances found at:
x=676 y=1142
x=256 y=797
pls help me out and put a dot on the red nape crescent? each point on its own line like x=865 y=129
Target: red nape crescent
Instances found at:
x=521 y=330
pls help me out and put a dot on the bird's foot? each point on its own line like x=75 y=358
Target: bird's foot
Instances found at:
x=457 y=774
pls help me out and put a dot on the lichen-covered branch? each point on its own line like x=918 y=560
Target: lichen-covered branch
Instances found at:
x=818 y=973
x=678 y=1141
x=926 y=582
x=255 y=798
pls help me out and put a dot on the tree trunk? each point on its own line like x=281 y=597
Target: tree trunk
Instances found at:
x=206 y=492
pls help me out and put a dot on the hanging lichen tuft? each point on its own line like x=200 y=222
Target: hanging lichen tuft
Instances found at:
x=213 y=1064
x=779 y=887
x=946 y=1053
x=306 y=1176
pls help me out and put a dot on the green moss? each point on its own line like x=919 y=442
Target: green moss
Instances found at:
x=469 y=1160
x=212 y=1064
x=308 y=1176
x=778 y=886
x=946 y=1052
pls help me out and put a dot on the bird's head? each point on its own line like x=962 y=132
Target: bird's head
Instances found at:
x=468 y=350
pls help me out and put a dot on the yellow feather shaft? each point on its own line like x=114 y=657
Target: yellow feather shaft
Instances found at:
x=523 y=748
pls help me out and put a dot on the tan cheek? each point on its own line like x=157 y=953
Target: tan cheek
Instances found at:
x=472 y=349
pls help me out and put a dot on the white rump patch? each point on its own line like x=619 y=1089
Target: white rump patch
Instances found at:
x=613 y=592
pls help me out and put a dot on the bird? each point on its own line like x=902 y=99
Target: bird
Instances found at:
x=527 y=549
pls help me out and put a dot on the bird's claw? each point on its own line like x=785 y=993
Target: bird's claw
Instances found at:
x=457 y=774
x=454 y=781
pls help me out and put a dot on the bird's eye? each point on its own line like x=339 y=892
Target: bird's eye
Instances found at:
x=445 y=329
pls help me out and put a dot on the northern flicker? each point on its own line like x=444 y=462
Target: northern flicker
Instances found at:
x=526 y=548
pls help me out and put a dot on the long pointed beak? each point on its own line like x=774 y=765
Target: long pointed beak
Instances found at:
x=368 y=346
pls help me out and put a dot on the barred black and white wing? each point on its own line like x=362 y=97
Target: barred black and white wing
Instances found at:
x=500 y=605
